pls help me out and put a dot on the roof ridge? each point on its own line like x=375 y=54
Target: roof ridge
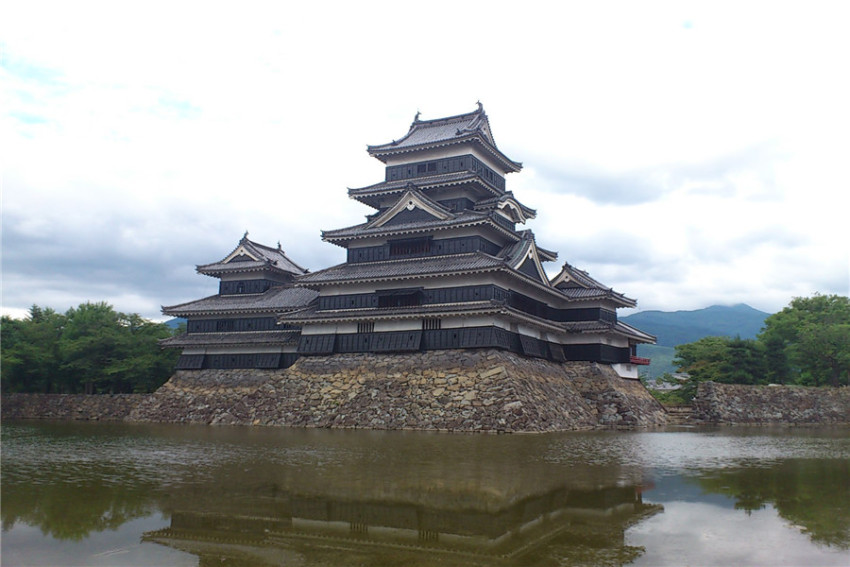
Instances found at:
x=478 y=112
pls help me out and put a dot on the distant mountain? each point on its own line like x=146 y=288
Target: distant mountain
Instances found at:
x=681 y=327
x=176 y=322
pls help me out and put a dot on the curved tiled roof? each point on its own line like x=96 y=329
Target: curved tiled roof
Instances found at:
x=267 y=258
x=313 y=315
x=289 y=337
x=463 y=218
x=429 y=181
x=507 y=196
x=615 y=327
x=423 y=134
x=577 y=284
x=445 y=310
x=405 y=268
x=420 y=267
x=522 y=246
x=274 y=300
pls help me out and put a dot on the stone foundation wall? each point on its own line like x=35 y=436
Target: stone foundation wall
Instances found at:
x=456 y=390
x=453 y=390
x=764 y=405
x=104 y=407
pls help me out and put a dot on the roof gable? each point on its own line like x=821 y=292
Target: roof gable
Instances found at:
x=572 y=277
x=512 y=209
x=525 y=258
x=577 y=284
x=253 y=256
x=242 y=253
x=413 y=203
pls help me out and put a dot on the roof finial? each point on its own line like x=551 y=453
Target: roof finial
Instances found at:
x=416 y=118
x=480 y=106
x=279 y=247
x=245 y=236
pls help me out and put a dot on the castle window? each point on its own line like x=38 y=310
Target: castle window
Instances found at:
x=426 y=167
x=410 y=247
x=366 y=327
x=432 y=324
x=400 y=298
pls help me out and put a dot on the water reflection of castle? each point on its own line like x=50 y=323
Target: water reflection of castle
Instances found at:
x=560 y=522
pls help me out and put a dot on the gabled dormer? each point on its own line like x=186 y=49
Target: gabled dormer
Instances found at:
x=525 y=257
x=252 y=268
x=413 y=206
x=507 y=206
x=577 y=284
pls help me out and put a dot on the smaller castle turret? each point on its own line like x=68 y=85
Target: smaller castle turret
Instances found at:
x=237 y=328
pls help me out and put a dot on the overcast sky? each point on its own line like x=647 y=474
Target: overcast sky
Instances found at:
x=685 y=154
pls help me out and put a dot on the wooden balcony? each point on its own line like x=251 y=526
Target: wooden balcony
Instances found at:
x=639 y=360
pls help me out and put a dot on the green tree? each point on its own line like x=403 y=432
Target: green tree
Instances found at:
x=91 y=348
x=89 y=344
x=140 y=365
x=775 y=360
x=744 y=362
x=814 y=333
x=703 y=359
x=30 y=352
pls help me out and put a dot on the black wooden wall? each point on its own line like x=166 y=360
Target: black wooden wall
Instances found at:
x=443 y=339
x=446 y=165
x=463 y=294
x=421 y=248
x=245 y=286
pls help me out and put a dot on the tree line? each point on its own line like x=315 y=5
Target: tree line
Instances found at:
x=90 y=349
x=807 y=343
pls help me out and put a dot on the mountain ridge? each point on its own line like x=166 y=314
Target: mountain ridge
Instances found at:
x=672 y=328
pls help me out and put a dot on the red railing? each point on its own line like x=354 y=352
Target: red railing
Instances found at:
x=639 y=360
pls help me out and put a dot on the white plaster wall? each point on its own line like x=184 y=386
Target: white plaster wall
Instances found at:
x=398 y=325
x=465 y=322
x=328 y=328
x=626 y=370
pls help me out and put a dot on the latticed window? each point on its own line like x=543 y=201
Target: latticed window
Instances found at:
x=366 y=327
x=410 y=247
x=432 y=324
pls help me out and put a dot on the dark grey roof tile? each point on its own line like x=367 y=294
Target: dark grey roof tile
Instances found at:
x=232 y=339
x=432 y=266
x=462 y=218
x=268 y=258
x=274 y=300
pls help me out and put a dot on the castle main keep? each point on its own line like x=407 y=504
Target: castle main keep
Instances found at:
x=443 y=263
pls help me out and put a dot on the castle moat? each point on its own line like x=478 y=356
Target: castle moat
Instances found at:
x=153 y=494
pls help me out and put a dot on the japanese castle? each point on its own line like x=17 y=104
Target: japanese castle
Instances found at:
x=440 y=263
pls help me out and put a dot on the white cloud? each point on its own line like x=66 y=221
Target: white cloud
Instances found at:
x=684 y=153
x=730 y=537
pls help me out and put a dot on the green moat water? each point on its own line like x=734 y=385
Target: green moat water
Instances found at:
x=139 y=494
